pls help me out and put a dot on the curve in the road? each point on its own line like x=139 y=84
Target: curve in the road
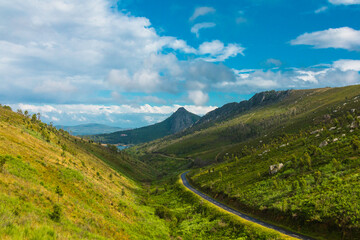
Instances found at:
x=242 y=215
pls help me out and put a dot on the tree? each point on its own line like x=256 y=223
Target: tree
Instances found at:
x=59 y=192
x=56 y=214
x=34 y=118
x=2 y=163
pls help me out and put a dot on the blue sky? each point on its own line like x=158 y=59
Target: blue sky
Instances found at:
x=133 y=62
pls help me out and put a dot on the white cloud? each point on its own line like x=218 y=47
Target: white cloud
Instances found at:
x=321 y=9
x=198 y=97
x=218 y=52
x=273 y=62
x=89 y=49
x=83 y=44
x=340 y=73
x=197 y=27
x=344 y=2
x=345 y=37
x=119 y=115
x=92 y=109
x=201 y=11
x=347 y=64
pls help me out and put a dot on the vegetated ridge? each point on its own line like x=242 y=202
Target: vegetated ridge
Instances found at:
x=57 y=186
x=177 y=122
x=294 y=161
x=88 y=129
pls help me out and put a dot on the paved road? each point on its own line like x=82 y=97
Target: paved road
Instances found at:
x=244 y=216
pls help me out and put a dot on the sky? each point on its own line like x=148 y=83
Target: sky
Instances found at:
x=132 y=63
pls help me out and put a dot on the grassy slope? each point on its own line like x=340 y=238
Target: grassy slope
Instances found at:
x=313 y=198
x=101 y=197
x=97 y=201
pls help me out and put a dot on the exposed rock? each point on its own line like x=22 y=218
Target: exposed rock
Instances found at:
x=275 y=168
x=323 y=143
x=317 y=131
x=354 y=124
x=332 y=128
x=327 y=117
x=335 y=140
x=353 y=110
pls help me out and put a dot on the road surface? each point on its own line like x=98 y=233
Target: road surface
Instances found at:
x=244 y=216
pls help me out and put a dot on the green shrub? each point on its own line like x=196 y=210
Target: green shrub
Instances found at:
x=56 y=213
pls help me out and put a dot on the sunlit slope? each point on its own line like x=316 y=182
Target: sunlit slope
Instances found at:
x=315 y=136
x=54 y=186
x=293 y=112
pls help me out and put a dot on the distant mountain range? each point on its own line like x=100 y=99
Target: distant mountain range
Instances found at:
x=177 y=122
x=89 y=129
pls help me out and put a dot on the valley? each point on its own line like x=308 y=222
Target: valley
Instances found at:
x=58 y=186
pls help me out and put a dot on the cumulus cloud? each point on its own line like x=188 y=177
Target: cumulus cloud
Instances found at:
x=198 y=97
x=339 y=73
x=120 y=115
x=197 y=27
x=344 y=2
x=89 y=49
x=201 y=11
x=347 y=64
x=218 y=52
x=345 y=37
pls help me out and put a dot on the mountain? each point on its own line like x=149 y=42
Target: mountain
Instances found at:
x=293 y=160
x=232 y=109
x=177 y=122
x=88 y=129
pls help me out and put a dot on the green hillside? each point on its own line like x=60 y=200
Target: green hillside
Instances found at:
x=313 y=133
x=57 y=186
x=177 y=122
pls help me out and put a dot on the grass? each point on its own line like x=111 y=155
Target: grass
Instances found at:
x=316 y=192
x=98 y=201
x=56 y=186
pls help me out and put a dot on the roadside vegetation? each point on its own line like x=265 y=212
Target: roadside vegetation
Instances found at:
x=311 y=136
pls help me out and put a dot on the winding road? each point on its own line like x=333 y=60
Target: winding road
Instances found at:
x=244 y=216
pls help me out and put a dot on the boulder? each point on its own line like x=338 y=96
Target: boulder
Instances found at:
x=275 y=168
x=323 y=143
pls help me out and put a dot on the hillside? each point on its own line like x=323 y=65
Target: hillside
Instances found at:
x=313 y=134
x=177 y=122
x=55 y=186
x=88 y=129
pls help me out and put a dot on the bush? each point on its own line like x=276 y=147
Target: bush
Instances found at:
x=56 y=214
x=2 y=163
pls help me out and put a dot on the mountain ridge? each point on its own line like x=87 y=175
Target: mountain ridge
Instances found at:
x=177 y=122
